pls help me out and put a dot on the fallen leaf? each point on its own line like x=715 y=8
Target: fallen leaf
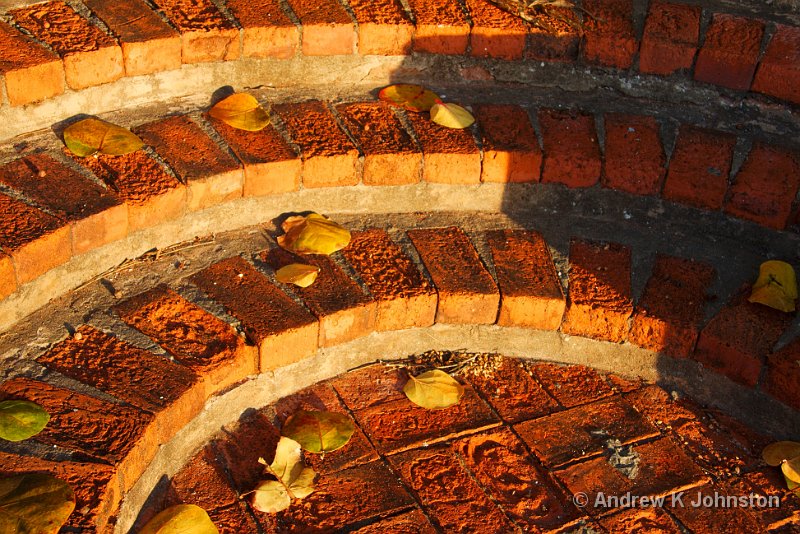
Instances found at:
x=451 y=116
x=776 y=286
x=313 y=234
x=21 y=419
x=319 y=431
x=271 y=496
x=181 y=519
x=791 y=469
x=434 y=390
x=775 y=453
x=792 y=485
x=89 y=136
x=34 y=503
x=298 y=274
x=295 y=480
x=409 y=96
x=241 y=111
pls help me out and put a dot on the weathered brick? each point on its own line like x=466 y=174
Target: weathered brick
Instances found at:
x=571 y=385
x=609 y=37
x=371 y=385
x=206 y=35
x=8 y=279
x=770 y=483
x=649 y=519
x=783 y=375
x=634 y=158
x=495 y=33
x=242 y=443
x=413 y=522
x=712 y=516
x=441 y=27
x=31 y=72
x=670 y=38
x=778 y=72
x=384 y=27
x=511 y=150
x=450 y=156
x=571 y=150
x=328 y=29
x=555 y=35
x=266 y=30
x=467 y=293
x=730 y=52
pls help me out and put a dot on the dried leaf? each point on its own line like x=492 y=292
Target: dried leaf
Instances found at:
x=295 y=480
x=776 y=286
x=313 y=234
x=451 y=116
x=181 y=519
x=89 y=136
x=298 y=274
x=21 y=419
x=271 y=496
x=792 y=485
x=408 y=96
x=791 y=469
x=241 y=111
x=34 y=503
x=775 y=453
x=434 y=390
x=319 y=431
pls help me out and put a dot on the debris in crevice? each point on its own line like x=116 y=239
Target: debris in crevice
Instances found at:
x=623 y=458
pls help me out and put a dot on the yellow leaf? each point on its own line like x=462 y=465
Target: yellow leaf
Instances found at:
x=180 y=519
x=776 y=286
x=298 y=274
x=295 y=480
x=313 y=234
x=319 y=431
x=451 y=116
x=408 y=96
x=777 y=452
x=791 y=469
x=434 y=390
x=34 y=503
x=241 y=111
x=89 y=136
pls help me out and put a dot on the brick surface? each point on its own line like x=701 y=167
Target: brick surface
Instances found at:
x=266 y=29
x=584 y=431
x=495 y=33
x=413 y=522
x=634 y=158
x=450 y=156
x=344 y=311
x=404 y=298
x=148 y=44
x=671 y=310
x=511 y=151
x=242 y=444
x=571 y=150
x=600 y=301
x=778 y=72
x=670 y=38
x=441 y=27
x=371 y=385
x=699 y=168
x=530 y=292
x=97 y=216
x=328 y=29
x=709 y=517
x=384 y=27
x=284 y=331
x=571 y=385
x=652 y=520
x=769 y=482
x=390 y=155
x=271 y=166
x=90 y=56
x=765 y=187
x=729 y=54
x=31 y=72
x=211 y=175
x=737 y=340
x=783 y=375
x=467 y=293
x=8 y=279
x=203 y=343
x=609 y=37
x=206 y=35
x=329 y=157
x=555 y=36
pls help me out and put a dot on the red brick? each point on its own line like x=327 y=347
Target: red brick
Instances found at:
x=267 y=30
x=778 y=73
x=671 y=311
x=328 y=30
x=434 y=474
x=571 y=385
x=495 y=33
x=670 y=38
x=571 y=150
x=765 y=186
x=271 y=166
x=467 y=293
x=203 y=343
x=737 y=340
x=283 y=330
x=583 y=432
x=148 y=44
x=609 y=37
x=441 y=27
x=152 y=195
x=36 y=241
x=31 y=72
x=329 y=157
x=90 y=56
x=384 y=27
x=449 y=156
x=769 y=482
x=390 y=155
x=413 y=522
x=511 y=151
x=8 y=279
x=711 y=518
x=729 y=54
x=97 y=216
x=211 y=175
x=404 y=298
x=344 y=311
x=651 y=520
x=206 y=35
x=171 y=392
x=624 y=384
x=371 y=385
x=252 y=437
x=600 y=301
x=699 y=168
x=783 y=375
x=554 y=35
x=530 y=292
x=634 y=158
